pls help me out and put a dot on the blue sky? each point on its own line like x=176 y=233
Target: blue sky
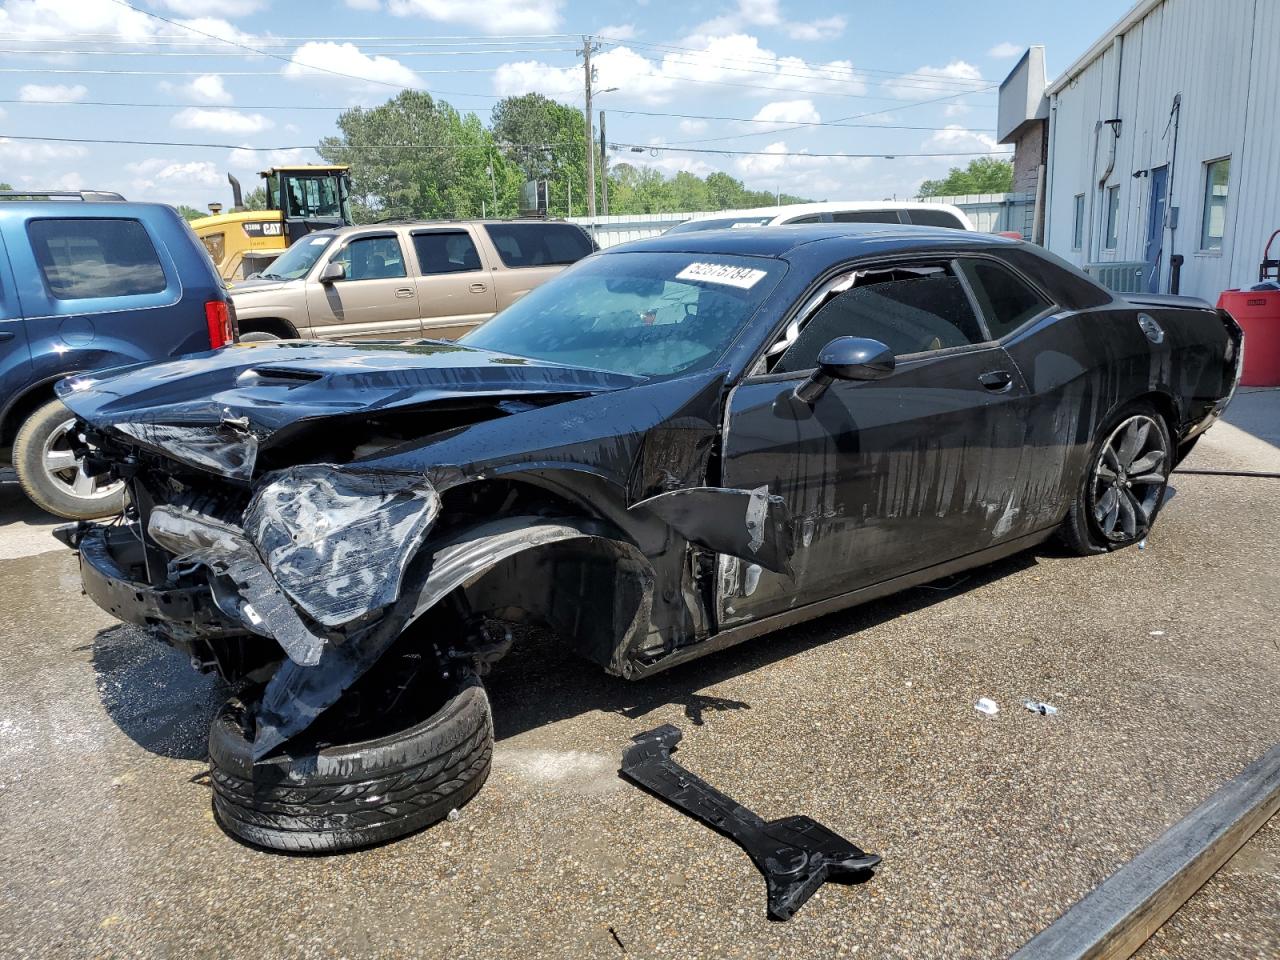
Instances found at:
x=773 y=68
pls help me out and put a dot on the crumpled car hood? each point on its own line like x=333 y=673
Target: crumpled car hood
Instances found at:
x=215 y=410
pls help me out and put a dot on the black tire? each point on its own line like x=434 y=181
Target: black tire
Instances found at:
x=256 y=336
x=51 y=490
x=322 y=798
x=1081 y=531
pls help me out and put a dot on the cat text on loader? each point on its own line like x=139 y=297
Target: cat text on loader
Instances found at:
x=300 y=199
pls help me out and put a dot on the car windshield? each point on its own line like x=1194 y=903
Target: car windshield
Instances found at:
x=298 y=260
x=644 y=314
x=720 y=223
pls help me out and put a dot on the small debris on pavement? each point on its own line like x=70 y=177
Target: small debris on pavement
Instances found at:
x=454 y=815
x=988 y=706
x=1040 y=707
x=1157 y=633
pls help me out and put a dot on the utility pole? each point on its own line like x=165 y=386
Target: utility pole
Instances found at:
x=604 y=169
x=587 y=48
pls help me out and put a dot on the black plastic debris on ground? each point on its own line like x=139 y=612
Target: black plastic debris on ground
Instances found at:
x=797 y=855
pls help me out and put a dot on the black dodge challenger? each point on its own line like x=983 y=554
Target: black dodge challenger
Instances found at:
x=674 y=446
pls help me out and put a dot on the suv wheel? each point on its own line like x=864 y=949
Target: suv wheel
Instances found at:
x=49 y=473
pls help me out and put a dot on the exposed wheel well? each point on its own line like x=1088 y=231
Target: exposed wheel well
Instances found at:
x=273 y=325
x=1165 y=406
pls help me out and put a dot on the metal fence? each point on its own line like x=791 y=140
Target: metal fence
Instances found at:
x=990 y=213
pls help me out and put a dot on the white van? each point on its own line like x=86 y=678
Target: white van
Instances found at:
x=833 y=211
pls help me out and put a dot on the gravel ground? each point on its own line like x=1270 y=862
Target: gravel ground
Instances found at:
x=1163 y=663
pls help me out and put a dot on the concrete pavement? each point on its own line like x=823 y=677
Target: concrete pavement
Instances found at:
x=1163 y=662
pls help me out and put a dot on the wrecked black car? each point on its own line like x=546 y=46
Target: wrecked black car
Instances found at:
x=674 y=446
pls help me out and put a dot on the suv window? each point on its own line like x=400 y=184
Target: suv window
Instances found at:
x=372 y=258
x=912 y=309
x=866 y=216
x=82 y=258
x=1005 y=299
x=445 y=252
x=538 y=244
x=934 y=218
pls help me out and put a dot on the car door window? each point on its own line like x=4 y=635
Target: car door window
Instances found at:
x=372 y=258
x=911 y=309
x=1005 y=299
x=84 y=258
x=443 y=251
x=538 y=244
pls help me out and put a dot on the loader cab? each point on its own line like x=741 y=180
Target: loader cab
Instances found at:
x=309 y=198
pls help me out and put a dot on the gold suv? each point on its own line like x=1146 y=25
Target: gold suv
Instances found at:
x=403 y=280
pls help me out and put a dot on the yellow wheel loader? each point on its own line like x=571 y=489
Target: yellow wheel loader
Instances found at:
x=300 y=199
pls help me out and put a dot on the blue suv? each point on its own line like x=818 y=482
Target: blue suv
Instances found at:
x=89 y=281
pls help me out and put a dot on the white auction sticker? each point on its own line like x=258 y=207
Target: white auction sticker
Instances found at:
x=742 y=277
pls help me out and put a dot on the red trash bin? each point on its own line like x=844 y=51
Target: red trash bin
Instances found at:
x=1258 y=313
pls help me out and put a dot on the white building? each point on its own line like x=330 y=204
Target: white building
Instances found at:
x=1163 y=145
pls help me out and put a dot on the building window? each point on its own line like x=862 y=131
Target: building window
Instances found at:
x=1213 y=225
x=1077 y=228
x=1113 y=218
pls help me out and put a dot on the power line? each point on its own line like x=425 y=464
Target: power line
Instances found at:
x=184 y=53
x=245 y=46
x=220 y=106
x=302 y=146
x=883 y=155
x=795 y=123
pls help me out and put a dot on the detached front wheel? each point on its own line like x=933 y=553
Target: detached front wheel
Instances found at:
x=1124 y=485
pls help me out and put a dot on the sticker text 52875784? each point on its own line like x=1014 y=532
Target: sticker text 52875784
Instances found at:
x=722 y=273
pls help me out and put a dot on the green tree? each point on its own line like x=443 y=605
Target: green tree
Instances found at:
x=6 y=186
x=256 y=199
x=415 y=156
x=191 y=213
x=545 y=140
x=982 y=175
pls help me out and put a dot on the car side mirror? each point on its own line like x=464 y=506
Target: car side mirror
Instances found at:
x=847 y=358
x=333 y=271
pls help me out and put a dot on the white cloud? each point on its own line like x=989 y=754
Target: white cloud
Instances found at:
x=795 y=173
x=692 y=126
x=717 y=60
x=823 y=29
x=960 y=139
x=789 y=111
x=1005 y=50
x=24 y=151
x=242 y=158
x=208 y=89
x=204 y=8
x=958 y=109
x=38 y=92
x=221 y=121
x=921 y=85
x=204 y=173
x=768 y=13
x=490 y=16
x=347 y=58
x=618 y=31
x=98 y=20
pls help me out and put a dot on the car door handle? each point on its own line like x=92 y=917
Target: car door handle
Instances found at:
x=477 y=288
x=404 y=293
x=6 y=335
x=997 y=381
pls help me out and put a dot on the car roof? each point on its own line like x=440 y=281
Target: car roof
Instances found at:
x=415 y=224
x=826 y=206
x=79 y=208
x=839 y=239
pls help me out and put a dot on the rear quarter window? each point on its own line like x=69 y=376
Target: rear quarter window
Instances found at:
x=538 y=244
x=90 y=258
x=935 y=218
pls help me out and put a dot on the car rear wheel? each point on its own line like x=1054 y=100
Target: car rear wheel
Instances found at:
x=50 y=474
x=1123 y=488
x=316 y=796
x=256 y=336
